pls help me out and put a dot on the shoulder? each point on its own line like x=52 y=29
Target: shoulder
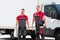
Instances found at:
x=42 y=12
x=34 y=13
x=25 y=15
x=18 y=16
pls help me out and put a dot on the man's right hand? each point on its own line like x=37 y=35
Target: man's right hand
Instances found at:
x=28 y=27
x=32 y=28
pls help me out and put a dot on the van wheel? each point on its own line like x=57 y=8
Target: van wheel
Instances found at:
x=57 y=37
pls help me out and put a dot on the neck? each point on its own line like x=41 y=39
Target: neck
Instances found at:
x=22 y=14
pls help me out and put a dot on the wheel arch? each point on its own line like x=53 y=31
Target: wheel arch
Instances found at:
x=56 y=30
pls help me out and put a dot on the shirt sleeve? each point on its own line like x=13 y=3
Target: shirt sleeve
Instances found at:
x=33 y=14
x=43 y=14
x=17 y=18
x=26 y=17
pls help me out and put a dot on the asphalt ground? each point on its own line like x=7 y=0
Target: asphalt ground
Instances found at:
x=7 y=37
x=21 y=39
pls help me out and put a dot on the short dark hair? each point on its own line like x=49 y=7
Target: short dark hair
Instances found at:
x=22 y=9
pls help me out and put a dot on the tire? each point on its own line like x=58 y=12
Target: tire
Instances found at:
x=57 y=36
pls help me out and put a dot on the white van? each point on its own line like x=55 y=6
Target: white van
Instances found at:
x=52 y=12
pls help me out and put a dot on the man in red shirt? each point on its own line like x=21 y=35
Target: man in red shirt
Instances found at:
x=41 y=18
x=21 y=21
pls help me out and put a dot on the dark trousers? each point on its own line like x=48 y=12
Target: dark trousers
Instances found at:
x=21 y=31
x=37 y=32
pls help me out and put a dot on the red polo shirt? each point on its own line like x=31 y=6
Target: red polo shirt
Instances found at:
x=22 y=16
x=41 y=14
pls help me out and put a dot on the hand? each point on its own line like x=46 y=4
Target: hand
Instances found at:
x=44 y=25
x=28 y=27
x=32 y=28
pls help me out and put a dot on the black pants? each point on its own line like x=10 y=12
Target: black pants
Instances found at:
x=21 y=31
x=37 y=32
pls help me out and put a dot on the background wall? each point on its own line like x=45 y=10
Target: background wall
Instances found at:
x=9 y=9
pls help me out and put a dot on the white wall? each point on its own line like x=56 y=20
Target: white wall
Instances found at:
x=9 y=9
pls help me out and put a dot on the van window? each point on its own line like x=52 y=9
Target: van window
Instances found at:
x=50 y=11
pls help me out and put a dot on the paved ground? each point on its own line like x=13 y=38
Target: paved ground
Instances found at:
x=7 y=37
x=21 y=39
